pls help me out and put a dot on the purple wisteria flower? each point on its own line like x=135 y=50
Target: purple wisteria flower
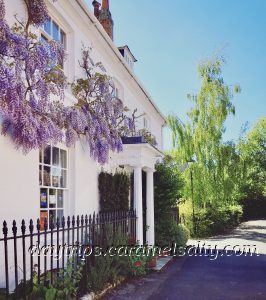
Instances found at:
x=32 y=85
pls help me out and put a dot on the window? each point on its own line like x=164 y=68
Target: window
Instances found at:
x=52 y=29
x=145 y=123
x=116 y=92
x=53 y=172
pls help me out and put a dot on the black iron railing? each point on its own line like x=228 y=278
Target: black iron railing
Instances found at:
x=31 y=250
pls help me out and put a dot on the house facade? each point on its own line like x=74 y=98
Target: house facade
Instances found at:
x=57 y=180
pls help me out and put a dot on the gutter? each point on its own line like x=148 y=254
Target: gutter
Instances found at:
x=118 y=55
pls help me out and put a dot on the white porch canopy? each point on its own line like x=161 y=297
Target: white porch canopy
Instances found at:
x=140 y=157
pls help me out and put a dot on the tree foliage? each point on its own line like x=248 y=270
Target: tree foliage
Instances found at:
x=215 y=168
x=167 y=188
x=252 y=151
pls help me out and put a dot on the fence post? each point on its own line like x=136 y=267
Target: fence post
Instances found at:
x=63 y=242
x=52 y=253
x=23 y=231
x=31 y=257
x=57 y=245
x=5 y=231
x=77 y=243
x=39 y=257
x=68 y=234
x=45 y=226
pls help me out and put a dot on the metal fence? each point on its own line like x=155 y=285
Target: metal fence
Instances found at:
x=31 y=250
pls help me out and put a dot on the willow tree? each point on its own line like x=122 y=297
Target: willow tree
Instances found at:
x=200 y=138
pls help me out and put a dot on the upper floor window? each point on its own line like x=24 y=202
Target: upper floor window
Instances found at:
x=145 y=123
x=53 y=31
x=116 y=93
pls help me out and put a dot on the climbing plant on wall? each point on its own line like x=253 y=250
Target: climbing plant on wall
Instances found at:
x=114 y=191
x=32 y=86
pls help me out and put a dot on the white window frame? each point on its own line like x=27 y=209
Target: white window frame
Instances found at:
x=42 y=186
x=49 y=37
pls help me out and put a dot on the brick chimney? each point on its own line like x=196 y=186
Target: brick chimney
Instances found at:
x=105 y=4
x=96 y=6
x=104 y=16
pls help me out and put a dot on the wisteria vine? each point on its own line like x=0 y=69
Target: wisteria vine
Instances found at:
x=32 y=85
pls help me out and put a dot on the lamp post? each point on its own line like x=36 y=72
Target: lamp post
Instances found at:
x=190 y=162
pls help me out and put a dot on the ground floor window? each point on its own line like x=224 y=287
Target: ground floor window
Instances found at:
x=53 y=170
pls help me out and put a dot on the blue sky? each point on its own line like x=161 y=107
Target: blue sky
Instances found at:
x=169 y=38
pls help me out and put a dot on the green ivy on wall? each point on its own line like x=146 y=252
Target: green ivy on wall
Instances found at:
x=114 y=191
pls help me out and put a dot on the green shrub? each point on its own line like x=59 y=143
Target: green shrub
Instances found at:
x=254 y=207
x=170 y=232
x=137 y=265
x=106 y=269
x=216 y=220
x=181 y=235
x=167 y=187
x=114 y=191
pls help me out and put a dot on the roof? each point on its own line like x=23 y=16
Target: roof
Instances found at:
x=113 y=47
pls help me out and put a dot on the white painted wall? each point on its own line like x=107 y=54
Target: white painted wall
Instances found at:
x=19 y=173
x=19 y=186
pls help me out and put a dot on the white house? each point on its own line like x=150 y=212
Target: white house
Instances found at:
x=58 y=180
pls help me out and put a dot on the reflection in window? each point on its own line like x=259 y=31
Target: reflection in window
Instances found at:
x=46 y=176
x=55 y=156
x=47 y=155
x=47 y=26
x=55 y=32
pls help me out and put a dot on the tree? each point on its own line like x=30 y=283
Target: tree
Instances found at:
x=32 y=85
x=201 y=138
x=167 y=189
x=253 y=159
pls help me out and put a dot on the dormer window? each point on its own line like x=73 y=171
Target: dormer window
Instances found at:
x=128 y=56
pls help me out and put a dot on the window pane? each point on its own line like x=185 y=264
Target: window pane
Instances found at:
x=43 y=216
x=63 y=179
x=63 y=38
x=63 y=158
x=60 y=214
x=43 y=198
x=60 y=198
x=40 y=175
x=40 y=156
x=44 y=39
x=52 y=216
x=56 y=175
x=47 y=26
x=52 y=198
x=46 y=176
x=55 y=32
x=47 y=155
x=55 y=156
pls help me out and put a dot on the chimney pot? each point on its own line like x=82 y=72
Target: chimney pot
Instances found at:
x=105 y=18
x=105 y=4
